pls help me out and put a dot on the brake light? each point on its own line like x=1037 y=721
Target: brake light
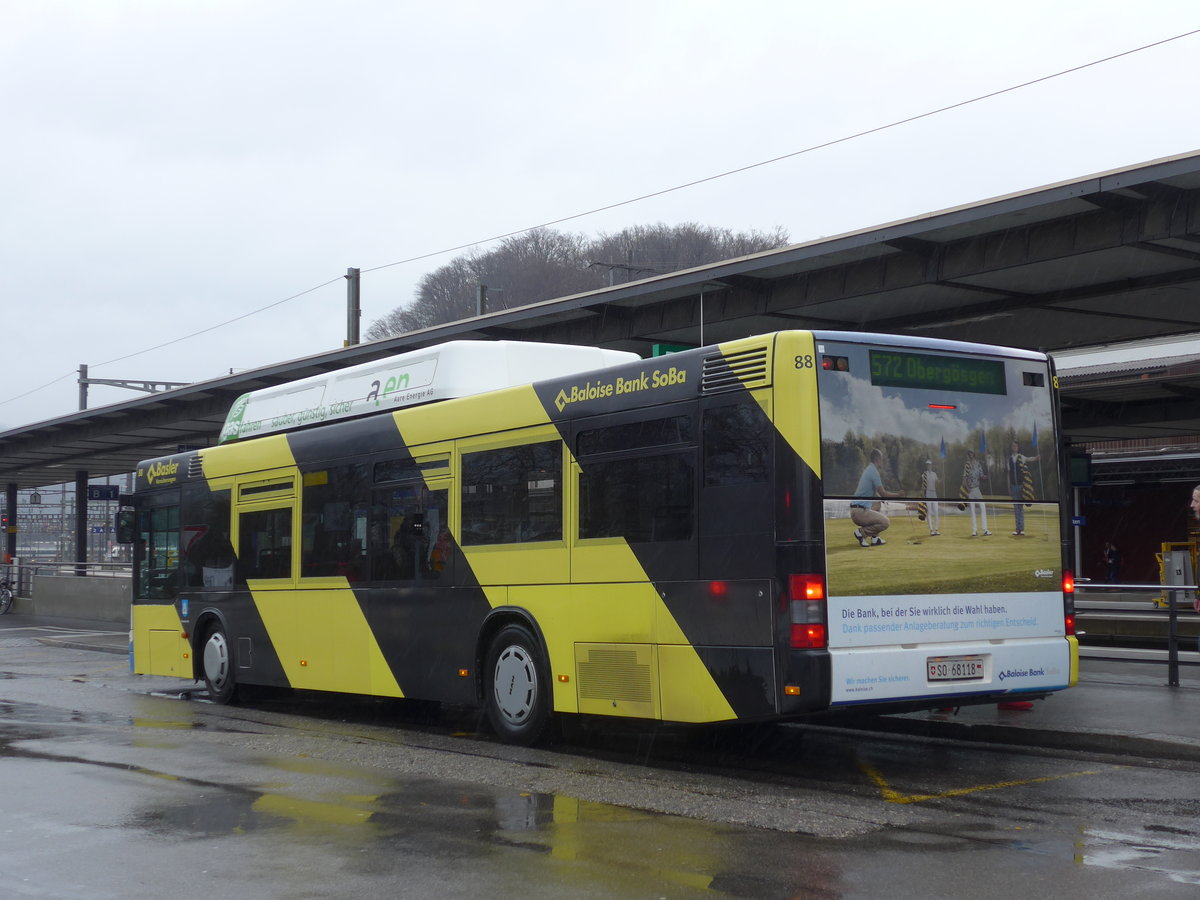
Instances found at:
x=806 y=596
x=806 y=587
x=1068 y=587
x=808 y=637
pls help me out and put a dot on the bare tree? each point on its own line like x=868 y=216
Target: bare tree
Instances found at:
x=543 y=264
x=539 y=265
x=643 y=250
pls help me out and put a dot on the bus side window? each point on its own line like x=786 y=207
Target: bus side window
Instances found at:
x=158 y=551
x=638 y=477
x=512 y=494
x=736 y=444
x=410 y=534
x=639 y=498
x=207 y=551
x=265 y=544
x=335 y=512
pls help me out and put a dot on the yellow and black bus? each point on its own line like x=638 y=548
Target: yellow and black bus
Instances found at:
x=758 y=530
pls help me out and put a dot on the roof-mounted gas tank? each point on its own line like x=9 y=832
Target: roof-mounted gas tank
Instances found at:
x=454 y=369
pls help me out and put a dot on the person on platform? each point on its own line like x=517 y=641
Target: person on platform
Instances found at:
x=1112 y=562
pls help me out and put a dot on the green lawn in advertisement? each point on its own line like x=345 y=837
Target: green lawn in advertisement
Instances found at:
x=912 y=561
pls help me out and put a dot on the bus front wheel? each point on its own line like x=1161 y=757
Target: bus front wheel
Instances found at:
x=217 y=660
x=518 y=688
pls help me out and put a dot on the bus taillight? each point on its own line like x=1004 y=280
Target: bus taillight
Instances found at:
x=806 y=594
x=808 y=637
x=1068 y=589
x=807 y=587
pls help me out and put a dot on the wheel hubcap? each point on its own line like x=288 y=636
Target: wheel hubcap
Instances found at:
x=216 y=660
x=515 y=685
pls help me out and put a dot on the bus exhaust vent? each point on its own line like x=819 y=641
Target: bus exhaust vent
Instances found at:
x=613 y=673
x=730 y=371
x=195 y=467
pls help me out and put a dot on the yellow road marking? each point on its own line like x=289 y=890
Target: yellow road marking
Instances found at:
x=891 y=795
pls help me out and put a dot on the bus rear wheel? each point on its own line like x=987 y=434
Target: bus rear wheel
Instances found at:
x=217 y=661
x=517 y=692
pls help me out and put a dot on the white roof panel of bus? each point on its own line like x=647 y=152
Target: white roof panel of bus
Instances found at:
x=454 y=369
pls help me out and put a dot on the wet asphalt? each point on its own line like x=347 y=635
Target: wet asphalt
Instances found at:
x=1118 y=706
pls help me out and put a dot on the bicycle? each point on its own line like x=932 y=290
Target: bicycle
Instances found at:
x=6 y=596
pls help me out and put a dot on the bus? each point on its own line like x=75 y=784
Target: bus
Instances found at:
x=767 y=529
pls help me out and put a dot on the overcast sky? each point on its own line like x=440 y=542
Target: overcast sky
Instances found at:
x=169 y=165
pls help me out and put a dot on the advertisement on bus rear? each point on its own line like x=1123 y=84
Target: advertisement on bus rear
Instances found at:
x=941 y=482
x=942 y=536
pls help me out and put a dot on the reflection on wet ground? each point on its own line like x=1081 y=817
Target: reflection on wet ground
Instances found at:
x=563 y=841
x=180 y=773
x=12 y=712
x=374 y=824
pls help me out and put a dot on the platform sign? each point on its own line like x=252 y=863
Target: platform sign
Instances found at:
x=664 y=349
x=103 y=491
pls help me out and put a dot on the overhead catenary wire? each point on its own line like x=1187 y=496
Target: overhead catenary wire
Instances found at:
x=252 y=312
x=629 y=201
x=177 y=340
x=775 y=159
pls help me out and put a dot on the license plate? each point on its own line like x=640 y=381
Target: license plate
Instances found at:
x=955 y=668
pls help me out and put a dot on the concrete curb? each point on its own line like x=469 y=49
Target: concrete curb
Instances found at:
x=1109 y=743
x=84 y=644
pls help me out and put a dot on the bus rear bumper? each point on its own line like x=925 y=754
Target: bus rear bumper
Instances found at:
x=966 y=672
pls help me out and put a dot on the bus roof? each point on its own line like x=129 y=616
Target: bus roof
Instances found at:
x=454 y=369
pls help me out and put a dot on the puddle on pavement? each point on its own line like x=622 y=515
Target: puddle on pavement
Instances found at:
x=452 y=823
x=15 y=714
x=31 y=713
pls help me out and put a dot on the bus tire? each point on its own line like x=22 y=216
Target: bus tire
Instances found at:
x=517 y=689
x=216 y=658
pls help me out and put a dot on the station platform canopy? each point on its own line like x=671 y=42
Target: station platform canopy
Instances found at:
x=1094 y=261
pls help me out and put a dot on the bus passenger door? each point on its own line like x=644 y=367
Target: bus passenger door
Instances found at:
x=266 y=520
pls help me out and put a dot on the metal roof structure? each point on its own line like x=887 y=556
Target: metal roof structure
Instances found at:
x=1107 y=258
x=1151 y=399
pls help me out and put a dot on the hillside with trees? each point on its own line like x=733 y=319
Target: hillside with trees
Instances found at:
x=543 y=264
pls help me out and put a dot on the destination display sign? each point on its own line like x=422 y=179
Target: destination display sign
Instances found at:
x=891 y=368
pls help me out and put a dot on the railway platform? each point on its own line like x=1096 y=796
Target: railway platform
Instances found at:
x=1120 y=706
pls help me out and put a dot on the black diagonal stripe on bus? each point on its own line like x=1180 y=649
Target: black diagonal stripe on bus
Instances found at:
x=354 y=437
x=409 y=622
x=408 y=618
x=252 y=648
x=718 y=590
x=746 y=677
x=253 y=651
